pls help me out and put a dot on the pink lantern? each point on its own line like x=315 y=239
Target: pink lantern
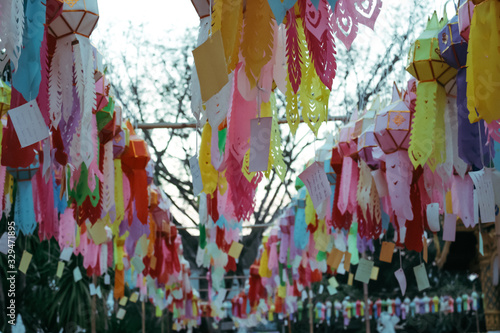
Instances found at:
x=393 y=124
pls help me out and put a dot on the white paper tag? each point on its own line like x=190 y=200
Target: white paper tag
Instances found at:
x=28 y=123
x=4 y=243
x=260 y=141
x=107 y=279
x=317 y=184
x=66 y=253
x=77 y=275
x=93 y=290
x=400 y=276
x=486 y=195
x=433 y=216
x=196 y=175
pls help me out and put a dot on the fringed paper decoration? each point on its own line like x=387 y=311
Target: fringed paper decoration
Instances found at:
x=276 y=160
x=293 y=53
x=231 y=26
x=426 y=64
x=292 y=108
x=320 y=41
x=258 y=39
x=11 y=31
x=313 y=94
x=26 y=77
x=348 y=15
x=482 y=63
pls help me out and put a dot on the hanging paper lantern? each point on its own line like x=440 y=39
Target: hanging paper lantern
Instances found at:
x=135 y=158
x=393 y=124
x=367 y=142
x=430 y=69
x=424 y=60
x=363 y=132
x=347 y=144
x=77 y=17
x=24 y=213
x=465 y=12
x=5 y=91
x=452 y=45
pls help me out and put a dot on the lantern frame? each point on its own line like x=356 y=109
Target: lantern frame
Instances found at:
x=67 y=23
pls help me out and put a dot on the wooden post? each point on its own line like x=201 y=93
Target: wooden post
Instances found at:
x=93 y=308
x=365 y=294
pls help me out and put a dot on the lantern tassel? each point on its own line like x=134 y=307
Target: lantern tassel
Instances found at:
x=24 y=213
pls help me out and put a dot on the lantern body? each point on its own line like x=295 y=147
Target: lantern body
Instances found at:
x=392 y=127
x=347 y=143
x=424 y=59
x=136 y=155
x=465 y=12
x=5 y=92
x=452 y=45
x=366 y=144
x=77 y=17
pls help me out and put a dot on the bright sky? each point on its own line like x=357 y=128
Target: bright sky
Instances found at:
x=162 y=15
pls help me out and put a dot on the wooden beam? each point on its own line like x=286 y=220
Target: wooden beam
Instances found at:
x=150 y=126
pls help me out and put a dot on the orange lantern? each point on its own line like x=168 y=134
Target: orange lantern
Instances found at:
x=135 y=158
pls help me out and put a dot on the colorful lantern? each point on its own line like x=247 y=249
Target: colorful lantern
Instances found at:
x=393 y=124
x=135 y=158
x=77 y=17
x=425 y=63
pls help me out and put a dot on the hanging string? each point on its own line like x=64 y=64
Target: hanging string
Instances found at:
x=481 y=143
